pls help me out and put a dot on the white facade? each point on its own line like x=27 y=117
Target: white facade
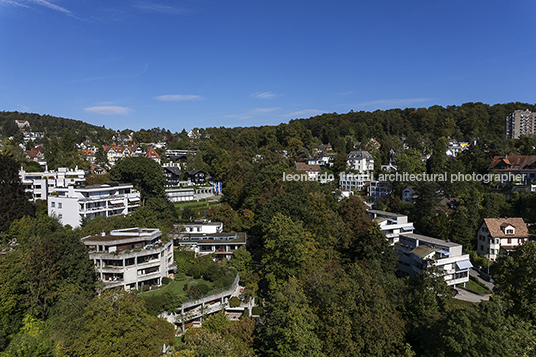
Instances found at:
x=454 y=147
x=361 y=161
x=72 y=204
x=350 y=181
x=416 y=252
x=130 y=258
x=203 y=226
x=41 y=184
x=221 y=244
x=391 y=224
x=499 y=236
x=180 y=194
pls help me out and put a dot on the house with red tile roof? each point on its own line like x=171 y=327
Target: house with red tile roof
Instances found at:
x=152 y=154
x=312 y=170
x=524 y=165
x=115 y=152
x=89 y=155
x=499 y=236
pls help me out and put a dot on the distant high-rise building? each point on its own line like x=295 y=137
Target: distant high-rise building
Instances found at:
x=520 y=122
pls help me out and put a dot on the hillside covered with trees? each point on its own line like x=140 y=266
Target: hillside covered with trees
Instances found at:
x=324 y=270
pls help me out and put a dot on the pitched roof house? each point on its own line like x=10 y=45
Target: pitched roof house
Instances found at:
x=152 y=154
x=519 y=164
x=499 y=236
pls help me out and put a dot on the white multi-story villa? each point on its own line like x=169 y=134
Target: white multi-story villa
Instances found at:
x=361 y=161
x=391 y=224
x=73 y=203
x=131 y=258
x=417 y=252
x=41 y=184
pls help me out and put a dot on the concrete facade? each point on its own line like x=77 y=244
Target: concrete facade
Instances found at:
x=130 y=258
x=417 y=252
x=72 y=204
x=41 y=184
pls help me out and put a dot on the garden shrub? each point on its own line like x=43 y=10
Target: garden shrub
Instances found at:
x=234 y=302
x=180 y=276
x=203 y=288
x=166 y=280
x=257 y=310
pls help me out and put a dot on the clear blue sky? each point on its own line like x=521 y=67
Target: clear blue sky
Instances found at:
x=201 y=63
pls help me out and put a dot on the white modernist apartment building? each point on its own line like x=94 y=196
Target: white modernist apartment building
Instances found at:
x=41 y=184
x=221 y=244
x=131 y=258
x=202 y=226
x=391 y=224
x=417 y=252
x=351 y=181
x=73 y=203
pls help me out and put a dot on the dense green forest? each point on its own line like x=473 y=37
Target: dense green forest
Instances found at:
x=324 y=270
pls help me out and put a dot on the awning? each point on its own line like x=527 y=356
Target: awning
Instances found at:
x=116 y=202
x=407 y=228
x=133 y=199
x=464 y=264
x=444 y=252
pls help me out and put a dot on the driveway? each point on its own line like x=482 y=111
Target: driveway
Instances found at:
x=469 y=296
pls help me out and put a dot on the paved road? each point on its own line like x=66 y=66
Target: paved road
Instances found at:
x=472 y=297
x=469 y=296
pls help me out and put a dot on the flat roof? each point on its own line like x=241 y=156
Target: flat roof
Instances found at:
x=385 y=213
x=434 y=241
x=211 y=238
x=126 y=235
x=201 y=224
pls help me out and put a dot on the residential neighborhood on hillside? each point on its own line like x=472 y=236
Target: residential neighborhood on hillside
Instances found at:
x=202 y=232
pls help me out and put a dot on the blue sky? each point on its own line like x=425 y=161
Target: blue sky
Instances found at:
x=203 y=63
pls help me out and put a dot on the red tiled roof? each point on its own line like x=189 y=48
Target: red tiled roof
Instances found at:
x=87 y=152
x=152 y=154
x=495 y=226
x=513 y=163
x=302 y=166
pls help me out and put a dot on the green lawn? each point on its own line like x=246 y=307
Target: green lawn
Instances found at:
x=177 y=287
x=195 y=204
x=198 y=208
x=476 y=288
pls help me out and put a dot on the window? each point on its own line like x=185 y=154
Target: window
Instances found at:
x=481 y=247
x=509 y=240
x=53 y=204
x=59 y=205
x=509 y=231
x=60 y=216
